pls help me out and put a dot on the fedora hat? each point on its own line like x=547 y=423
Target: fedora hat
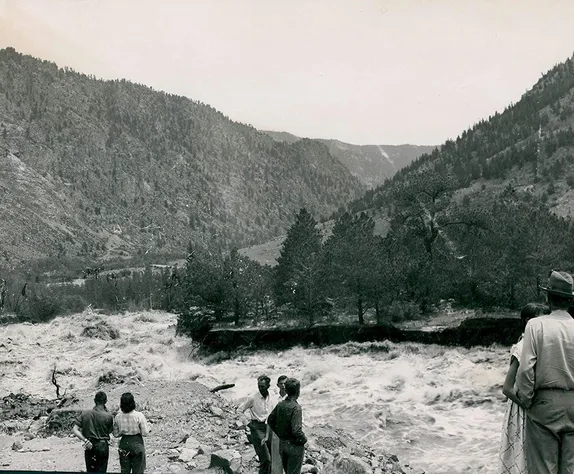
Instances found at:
x=560 y=283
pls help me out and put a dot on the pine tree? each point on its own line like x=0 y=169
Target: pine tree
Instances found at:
x=299 y=272
x=350 y=257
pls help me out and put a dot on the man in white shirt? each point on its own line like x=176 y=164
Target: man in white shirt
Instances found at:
x=260 y=405
x=545 y=382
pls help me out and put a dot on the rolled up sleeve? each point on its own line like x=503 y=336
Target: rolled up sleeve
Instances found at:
x=144 y=427
x=525 y=376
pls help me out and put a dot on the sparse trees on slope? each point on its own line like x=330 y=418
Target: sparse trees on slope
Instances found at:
x=424 y=212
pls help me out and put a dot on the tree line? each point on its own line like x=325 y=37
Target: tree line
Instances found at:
x=433 y=246
x=492 y=254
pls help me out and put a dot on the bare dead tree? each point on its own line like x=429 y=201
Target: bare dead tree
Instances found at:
x=57 y=385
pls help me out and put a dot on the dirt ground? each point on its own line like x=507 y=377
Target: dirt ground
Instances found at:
x=174 y=409
x=450 y=318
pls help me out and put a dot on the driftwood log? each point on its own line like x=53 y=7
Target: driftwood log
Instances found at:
x=222 y=387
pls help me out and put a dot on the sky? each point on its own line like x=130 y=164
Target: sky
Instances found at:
x=361 y=71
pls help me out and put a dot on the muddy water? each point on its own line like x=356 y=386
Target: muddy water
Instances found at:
x=437 y=408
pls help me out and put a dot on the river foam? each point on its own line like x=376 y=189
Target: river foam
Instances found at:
x=438 y=408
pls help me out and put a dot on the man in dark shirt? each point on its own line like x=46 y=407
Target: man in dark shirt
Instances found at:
x=93 y=427
x=286 y=420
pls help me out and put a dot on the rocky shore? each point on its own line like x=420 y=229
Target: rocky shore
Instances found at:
x=193 y=430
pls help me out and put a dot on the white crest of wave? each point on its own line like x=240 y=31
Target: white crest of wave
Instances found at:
x=439 y=408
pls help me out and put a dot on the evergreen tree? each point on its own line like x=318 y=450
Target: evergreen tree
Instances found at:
x=299 y=272
x=350 y=256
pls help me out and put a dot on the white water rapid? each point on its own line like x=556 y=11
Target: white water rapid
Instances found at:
x=436 y=408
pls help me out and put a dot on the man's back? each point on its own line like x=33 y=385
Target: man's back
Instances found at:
x=548 y=355
x=96 y=423
x=286 y=421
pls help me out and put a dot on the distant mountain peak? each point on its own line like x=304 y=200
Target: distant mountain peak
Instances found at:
x=372 y=164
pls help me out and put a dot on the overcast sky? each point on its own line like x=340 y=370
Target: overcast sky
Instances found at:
x=362 y=71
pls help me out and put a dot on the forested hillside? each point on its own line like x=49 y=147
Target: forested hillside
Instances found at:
x=481 y=220
x=530 y=144
x=101 y=168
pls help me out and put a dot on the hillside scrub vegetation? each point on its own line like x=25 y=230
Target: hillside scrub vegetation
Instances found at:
x=112 y=168
x=434 y=250
x=529 y=143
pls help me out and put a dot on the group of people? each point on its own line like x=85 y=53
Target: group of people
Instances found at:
x=538 y=430
x=276 y=426
x=93 y=427
x=276 y=430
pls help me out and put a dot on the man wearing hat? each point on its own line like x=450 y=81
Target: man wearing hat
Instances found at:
x=545 y=382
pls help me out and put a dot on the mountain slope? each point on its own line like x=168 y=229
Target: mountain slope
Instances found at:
x=527 y=151
x=112 y=167
x=528 y=148
x=372 y=164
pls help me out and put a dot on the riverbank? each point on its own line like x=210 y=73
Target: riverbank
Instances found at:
x=192 y=428
x=469 y=332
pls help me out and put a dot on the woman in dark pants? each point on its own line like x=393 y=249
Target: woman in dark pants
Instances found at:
x=131 y=425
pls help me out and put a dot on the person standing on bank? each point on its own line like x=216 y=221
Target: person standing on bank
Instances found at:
x=286 y=421
x=276 y=463
x=131 y=425
x=93 y=428
x=259 y=405
x=511 y=456
x=545 y=382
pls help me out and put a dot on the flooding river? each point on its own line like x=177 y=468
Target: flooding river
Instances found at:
x=436 y=408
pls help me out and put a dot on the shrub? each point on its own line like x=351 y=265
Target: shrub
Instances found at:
x=403 y=311
x=38 y=309
x=72 y=304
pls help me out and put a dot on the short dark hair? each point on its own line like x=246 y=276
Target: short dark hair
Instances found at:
x=292 y=387
x=264 y=377
x=127 y=402
x=531 y=310
x=101 y=398
x=281 y=378
x=558 y=301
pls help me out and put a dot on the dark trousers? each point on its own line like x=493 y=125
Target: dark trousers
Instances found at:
x=258 y=430
x=97 y=457
x=132 y=454
x=292 y=456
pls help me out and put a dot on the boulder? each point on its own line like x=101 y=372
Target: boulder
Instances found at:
x=309 y=468
x=192 y=443
x=216 y=411
x=347 y=464
x=228 y=459
x=187 y=454
x=17 y=446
